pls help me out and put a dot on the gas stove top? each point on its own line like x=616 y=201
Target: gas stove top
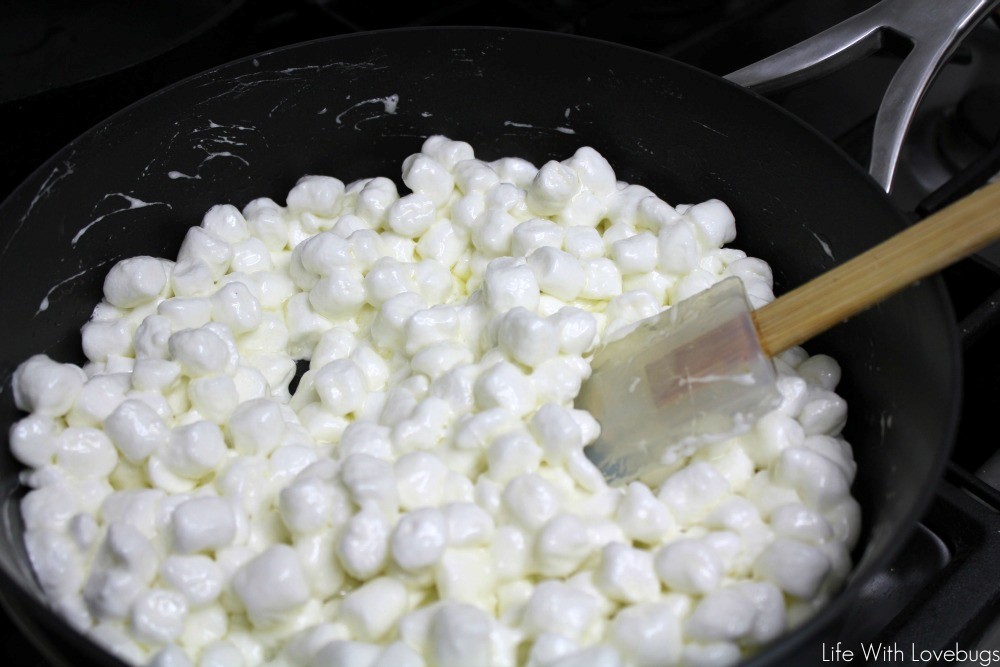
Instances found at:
x=942 y=592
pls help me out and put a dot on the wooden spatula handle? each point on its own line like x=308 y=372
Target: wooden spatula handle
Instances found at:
x=925 y=248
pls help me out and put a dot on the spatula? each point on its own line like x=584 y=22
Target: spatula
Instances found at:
x=701 y=371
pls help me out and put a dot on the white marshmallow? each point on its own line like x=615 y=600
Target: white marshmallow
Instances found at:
x=561 y=545
x=426 y=176
x=559 y=608
x=226 y=222
x=627 y=574
x=412 y=215
x=46 y=387
x=202 y=524
x=648 y=634
x=420 y=539
x=371 y=610
x=317 y=194
x=236 y=306
x=689 y=566
x=158 y=616
x=363 y=548
x=194 y=450
x=794 y=567
x=271 y=585
x=135 y=281
x=136 y=430
x=85 y=453
x=552 y=188
x=375 y=199
x=198 y=578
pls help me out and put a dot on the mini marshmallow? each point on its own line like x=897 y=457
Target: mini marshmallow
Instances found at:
x=341 y=386
x=689 y=566
x=643 y=517
x=214 y=397
x=199 y=351
x=794 y=567
x=339 y=294
x=715 y=222
x=186 y=312
x=627 y=574
x=420 y=539
x=533 y=234
x=817 y=479
x=583 y=242
x=202 y=524
x=531 y=500
x=824 y=413
x=250 y=256
x=494 y=233
x=158 y=616
x=371 y=610
x=226 y=222
x=648 y=634
x=317 y=194
x=135 y=281
x=602 y=279
x=236 y=306
x=205 y=247
x=370 y=481
x=84 y=452
x=271 y=585
x=46 y=387
x=256 y=426
x=466 y=575
x=194 y=450
x=562 y=545
x=721 y=615
x=505 y=386
x=677 y=249
x=55 y=560
x=552 y=188
x=150 y=341
x=419 y=479
x=690 y=492
x=412 y=215
x=636 y=254
x=559 y=608
x=97 y=399
x=198 y=578
x=33 y=440
x=447 y=152
x=513 y=454
x=192 y=278
x=363 y=548
x=426 y=176
x=508 y=284
x=389 y=325
x=527 y=338
x=461 y=635
x=432 y=325
x=136 y=430
x=375 y=199
x=468 y=524
x=558 y=273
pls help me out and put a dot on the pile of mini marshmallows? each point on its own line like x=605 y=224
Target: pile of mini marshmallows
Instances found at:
x=422 y=497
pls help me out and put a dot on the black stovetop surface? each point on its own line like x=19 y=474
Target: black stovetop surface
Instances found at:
x=69 y=65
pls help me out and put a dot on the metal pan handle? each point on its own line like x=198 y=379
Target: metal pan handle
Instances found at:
x=934 y=27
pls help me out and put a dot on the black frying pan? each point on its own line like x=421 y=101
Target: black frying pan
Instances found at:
x=355 y=106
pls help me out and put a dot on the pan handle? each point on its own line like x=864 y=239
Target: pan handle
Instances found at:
x=933 y=27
